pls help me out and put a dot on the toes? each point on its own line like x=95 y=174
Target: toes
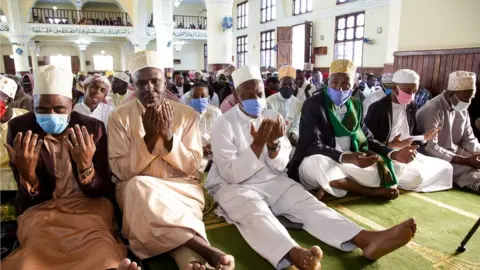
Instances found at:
x=133 y=266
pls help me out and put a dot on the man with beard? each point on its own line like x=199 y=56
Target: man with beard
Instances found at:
x=155 y=150
x=120 y=93
x=286 y=104
x=304 y=88
x=93 y=105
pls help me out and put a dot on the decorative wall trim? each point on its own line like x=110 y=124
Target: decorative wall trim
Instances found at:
x=182 y=33
x=76 y=30
x=437 y=52
x=4 y=27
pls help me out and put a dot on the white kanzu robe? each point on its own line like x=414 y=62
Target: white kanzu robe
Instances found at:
x=207 y=118
x=290 y=109
x=102 y=112
x=251 y=191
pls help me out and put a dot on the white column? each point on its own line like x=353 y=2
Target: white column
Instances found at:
x=163 y=21
x=82 y=47
x=33 y=53
x=124 y=50
x=20 y=53
x=219 y=42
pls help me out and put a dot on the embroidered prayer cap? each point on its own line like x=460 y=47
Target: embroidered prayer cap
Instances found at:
x=122 y=76
x=229 y=70
x=144 y=59
x=287 y=71
x=308 y=66
x=387 y=77
x=461 y=81
x=52 y=80
x=109 y=72
x=98 y=79
x=343 y=66
x=406 y=76
x=246 y=73
x=8 y=86
x=81 y=73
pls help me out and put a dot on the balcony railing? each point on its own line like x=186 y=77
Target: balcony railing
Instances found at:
x=190 y=22
x=70 y=16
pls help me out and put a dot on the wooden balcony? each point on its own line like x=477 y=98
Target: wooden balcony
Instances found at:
x=78 y=17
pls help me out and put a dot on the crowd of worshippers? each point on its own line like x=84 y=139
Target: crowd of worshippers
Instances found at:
x=139 y=142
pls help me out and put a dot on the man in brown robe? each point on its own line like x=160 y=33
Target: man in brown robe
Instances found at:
x=155 y=150
x=59 y=161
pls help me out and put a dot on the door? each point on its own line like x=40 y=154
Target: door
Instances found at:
x=284 y=46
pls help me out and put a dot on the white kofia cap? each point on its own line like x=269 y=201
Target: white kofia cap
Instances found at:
x=52 y=80
x=406 y=76
x=144 y=59
x=8 y=86
x=122 y=76
x=246 y=73
x=461 y=81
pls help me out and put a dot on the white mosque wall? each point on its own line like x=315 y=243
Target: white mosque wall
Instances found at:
x=323 y=18
x=439 y=24
x=191 y=55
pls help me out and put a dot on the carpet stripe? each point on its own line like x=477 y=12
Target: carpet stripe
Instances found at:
x=444 y=205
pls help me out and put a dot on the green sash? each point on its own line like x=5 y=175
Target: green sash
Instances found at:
x=351 y=126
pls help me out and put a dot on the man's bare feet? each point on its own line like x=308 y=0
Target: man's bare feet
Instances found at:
x=384 y=242
x=320 y=194
x=306 y=259
x=386 y=193
x=126 y=264
x=196 y=266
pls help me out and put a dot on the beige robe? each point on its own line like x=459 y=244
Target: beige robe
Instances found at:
x=159 y=193
x=70 y=231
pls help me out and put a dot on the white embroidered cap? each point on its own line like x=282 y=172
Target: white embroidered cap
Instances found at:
x=122 y=76
x=246 y=73
x=461 y=81
x=8 y=86
x=406 y=76
x=144 y=59
x=52 y=80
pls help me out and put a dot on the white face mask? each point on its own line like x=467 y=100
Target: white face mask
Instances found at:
x=461 y=106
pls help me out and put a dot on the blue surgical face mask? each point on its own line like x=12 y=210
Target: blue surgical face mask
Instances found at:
x=52 y=123
x=388 y=91
x=339 y=97
x=199 y=104
x=254 y=107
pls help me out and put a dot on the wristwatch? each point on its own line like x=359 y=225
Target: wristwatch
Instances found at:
x=275 y=147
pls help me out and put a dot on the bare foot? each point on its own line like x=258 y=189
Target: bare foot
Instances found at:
x=220 y=260
x=387 y=241
x=196 y=266
x=320 y=194
x=126 y=264
x=386 y=193
x=306 y=259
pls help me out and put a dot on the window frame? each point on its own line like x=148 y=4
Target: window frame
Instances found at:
x=240 y=52
x=346 y=1
x=205 y=56
x=300 y=11
x=242 y=16
x=271 y=49
x=272 y=8
x=345 y=40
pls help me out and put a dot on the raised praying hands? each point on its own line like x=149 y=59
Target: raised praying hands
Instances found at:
x=81 y=146
x=24 y=155
x=397 y=143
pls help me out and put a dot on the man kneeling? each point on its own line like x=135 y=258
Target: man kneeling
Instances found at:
x=249 y=183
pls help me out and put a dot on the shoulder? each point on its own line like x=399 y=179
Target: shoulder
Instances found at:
x=272 y=98
x=213 y=110
x=381 y=103
x=183 y=113
x=22 y=122
x=313 y=102
x=82 y=120
x=19 y=111
x=432 y=106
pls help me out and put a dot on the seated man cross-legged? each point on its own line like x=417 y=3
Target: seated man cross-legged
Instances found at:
x=392 y=121
x=455 y=142
x=336 y=152
x=155 y=150
x=59 y=160
x=248 y=181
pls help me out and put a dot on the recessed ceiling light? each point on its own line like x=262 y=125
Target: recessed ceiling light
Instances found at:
x=102 y=52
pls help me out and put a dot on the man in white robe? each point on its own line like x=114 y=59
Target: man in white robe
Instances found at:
x=286 y=104
x=120 y=92
x=392 y=121
x=249 y=183
x=97 y=88
x=304 y=88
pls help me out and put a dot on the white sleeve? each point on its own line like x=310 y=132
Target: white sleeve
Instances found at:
x=280 y=162
x=234 y=166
